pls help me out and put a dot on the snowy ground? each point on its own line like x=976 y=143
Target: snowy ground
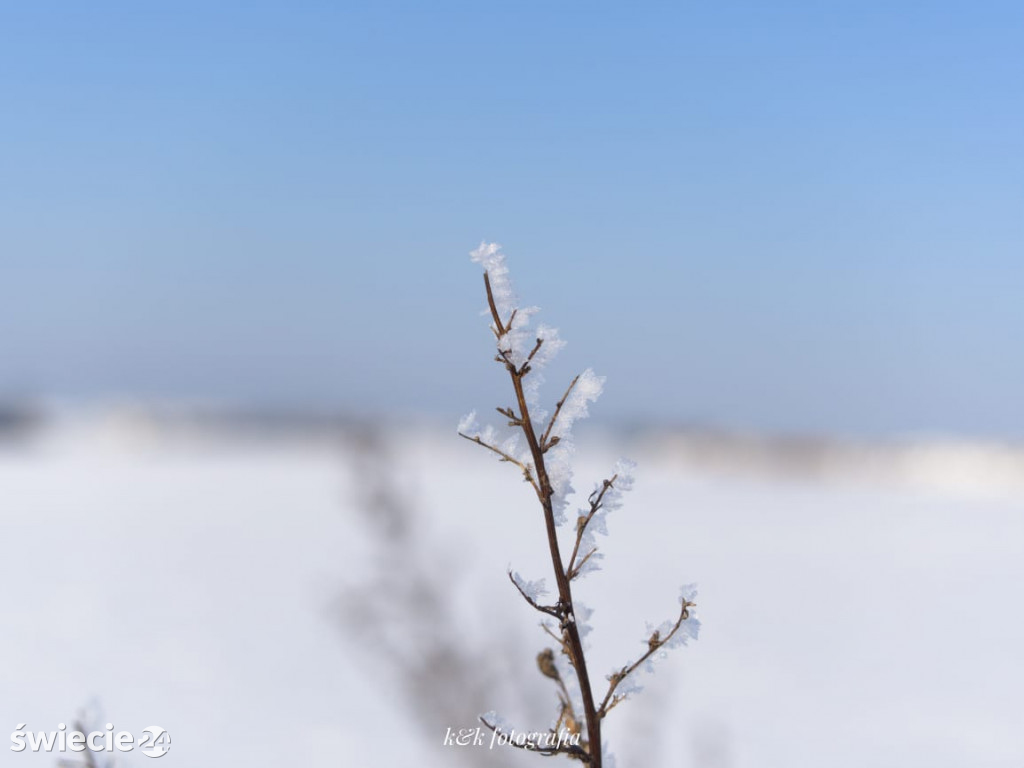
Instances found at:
x=204 y=584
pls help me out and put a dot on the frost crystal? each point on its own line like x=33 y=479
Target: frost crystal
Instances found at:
x=587 y=389
x=587 y=554
x=582 y=616
x=489 y=435
x=629 y=686
x=490 y=257
x=468 y=425
x=624 y=475
x=610 y=499
x=688 y=630
x=688 y=593
x=559 y=466
x=508 y=444
x=547 y=351
x=519 y=338
x=496 y=721
x=532 y=589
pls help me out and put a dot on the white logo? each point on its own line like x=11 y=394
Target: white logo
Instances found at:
x=156 y=742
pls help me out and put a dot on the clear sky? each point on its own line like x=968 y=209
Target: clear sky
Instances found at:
x=795 y=216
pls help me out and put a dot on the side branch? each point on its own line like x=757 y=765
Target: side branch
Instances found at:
x=546 y=441
x=500 y=329
x=527 y=472
x=595 y=504
x=550 y=610
x=525 y=367
x=653 y=644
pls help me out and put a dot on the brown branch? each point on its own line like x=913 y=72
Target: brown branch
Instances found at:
x=545 y=443
x=551 y=610
x=527 y=474
x=574 y=572
x=525 y=367
x=503 y=357
x=565 y=600
x=499 y=329
x=582 y=523
x=653 y=644
x=508 y=413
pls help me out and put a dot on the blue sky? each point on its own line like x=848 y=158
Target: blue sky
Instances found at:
x=792 y=216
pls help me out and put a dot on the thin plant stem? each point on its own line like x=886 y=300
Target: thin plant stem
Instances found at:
x=565 y=605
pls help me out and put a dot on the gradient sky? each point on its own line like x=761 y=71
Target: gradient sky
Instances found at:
x=792 y=216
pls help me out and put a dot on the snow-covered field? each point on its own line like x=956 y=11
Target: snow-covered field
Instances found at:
x=333 y=599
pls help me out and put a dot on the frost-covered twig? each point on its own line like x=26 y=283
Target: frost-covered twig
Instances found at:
x=581 y=527
x=565 y=602
x=530 y=595
x=545 y=464
x=658 y=639
x=546 y=441
x=527 y=472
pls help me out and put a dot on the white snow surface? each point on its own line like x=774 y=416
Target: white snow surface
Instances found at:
x=847 y=620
